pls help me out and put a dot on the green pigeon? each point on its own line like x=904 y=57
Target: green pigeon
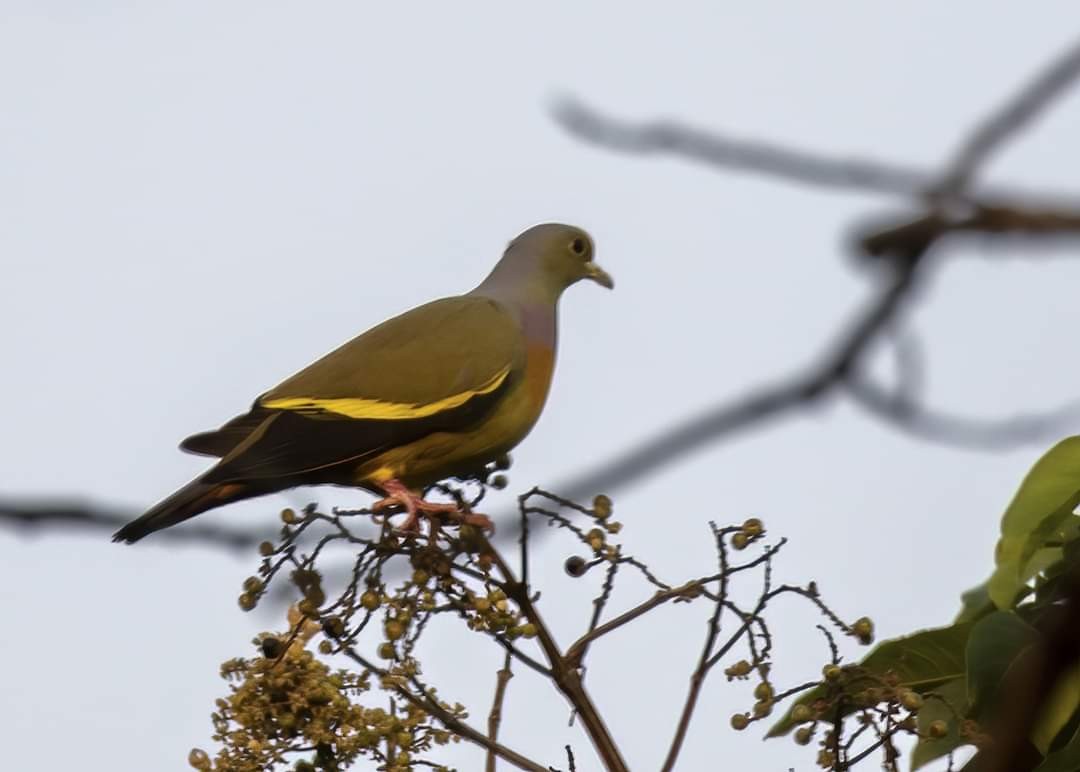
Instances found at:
x=436 y=392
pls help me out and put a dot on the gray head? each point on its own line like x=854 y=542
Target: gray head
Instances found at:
x=543 y=261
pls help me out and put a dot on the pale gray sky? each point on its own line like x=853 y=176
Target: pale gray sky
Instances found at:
x=198 y=198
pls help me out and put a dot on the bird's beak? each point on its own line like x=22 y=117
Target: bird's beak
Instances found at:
x=599 y=275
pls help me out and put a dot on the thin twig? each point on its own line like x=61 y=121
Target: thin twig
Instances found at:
x=998 y=127
x=577 y=650
x=502 y=678
x=447 y=719
x=762 y=402
x=697 y=678
x=958 y=431
x=566 y=678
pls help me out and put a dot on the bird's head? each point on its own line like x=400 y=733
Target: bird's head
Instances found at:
x=554 y=256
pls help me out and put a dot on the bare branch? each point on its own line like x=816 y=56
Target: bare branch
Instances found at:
x=447 y=719
x=576 y=651
x=935 y=426
x=32 y=515
x=502 y=678
x=1002 y=124
x=565 y=677
x=762 y=403
x=739 y=153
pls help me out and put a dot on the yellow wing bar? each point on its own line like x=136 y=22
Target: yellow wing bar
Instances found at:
x=377 y=409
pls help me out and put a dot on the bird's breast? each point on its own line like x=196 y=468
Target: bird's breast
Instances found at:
x=539 y=367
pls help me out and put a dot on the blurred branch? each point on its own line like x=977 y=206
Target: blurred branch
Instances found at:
x=738 y=153
x=39 y=514
x=900 y=245
x=762 y=403
x=979 y=433
x=1007 y=121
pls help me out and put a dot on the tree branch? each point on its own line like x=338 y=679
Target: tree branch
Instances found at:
x=447 y=719
x=502 y=678
x=565 y=677
x=1007 y=121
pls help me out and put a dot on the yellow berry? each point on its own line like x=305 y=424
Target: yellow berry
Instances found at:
x=739 y=540
x=938 y=729
x=763 y=691
x=386 y=650
x=739 y=669
x=528 y=630
x=910 y=700
x=288 y=516
x=601 y=506
x=740 y=721
x=498 y=482
x=804 y=734
x=394 y=629
x=481 y=604
x=800 y=714
x=753 y=527
x=198 y=759
x=266 y=549
x=863 y=630
x=762 y=708
x=247 y=601
x=253 y=584
x=420 y=577
x=370 y=600
x=832 y=672
x=325 y=647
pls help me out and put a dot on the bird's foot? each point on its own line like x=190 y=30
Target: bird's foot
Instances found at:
x=417 y=508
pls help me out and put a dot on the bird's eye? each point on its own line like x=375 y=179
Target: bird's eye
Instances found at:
x=578 y=247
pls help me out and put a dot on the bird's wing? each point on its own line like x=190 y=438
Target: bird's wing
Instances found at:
x=439 y=367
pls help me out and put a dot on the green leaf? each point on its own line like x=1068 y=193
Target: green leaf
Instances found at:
x=921 y=662
x=950 y=700
x=996 y=641
x=975 y=604
x=1058 y=709
x=1040 y=509
x=1065 y=759
x=999 y=655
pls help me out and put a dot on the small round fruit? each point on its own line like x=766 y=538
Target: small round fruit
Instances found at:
x=575 y=566
x=937 y=729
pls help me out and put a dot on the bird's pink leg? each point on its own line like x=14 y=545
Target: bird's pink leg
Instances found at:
x=398 y=494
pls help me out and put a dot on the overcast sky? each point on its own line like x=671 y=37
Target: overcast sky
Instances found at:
x=198 y=198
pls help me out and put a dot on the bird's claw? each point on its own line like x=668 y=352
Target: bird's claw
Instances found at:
x=414 y=505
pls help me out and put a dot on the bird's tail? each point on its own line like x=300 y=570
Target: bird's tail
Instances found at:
x=194 y=498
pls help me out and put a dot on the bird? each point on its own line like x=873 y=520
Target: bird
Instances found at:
x=436 y=392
